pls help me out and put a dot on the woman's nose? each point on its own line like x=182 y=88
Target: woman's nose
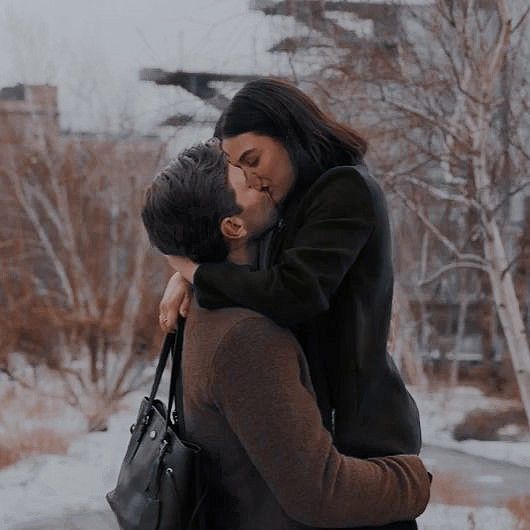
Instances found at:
x=253 y=180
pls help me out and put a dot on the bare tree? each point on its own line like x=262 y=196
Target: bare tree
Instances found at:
x=79 y=280
x=469 y=97
x=442 y=95
x=453 y=137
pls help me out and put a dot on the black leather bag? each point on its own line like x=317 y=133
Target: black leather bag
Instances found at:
x=159 y=484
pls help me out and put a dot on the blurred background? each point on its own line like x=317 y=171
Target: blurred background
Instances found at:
x=95 y=97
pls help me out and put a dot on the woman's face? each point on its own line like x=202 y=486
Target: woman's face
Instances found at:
x=264 y=161
x=258 y=211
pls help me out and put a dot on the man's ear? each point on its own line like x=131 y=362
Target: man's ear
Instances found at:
x=233 y=228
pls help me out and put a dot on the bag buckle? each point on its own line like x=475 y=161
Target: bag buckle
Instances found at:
x=146 y=418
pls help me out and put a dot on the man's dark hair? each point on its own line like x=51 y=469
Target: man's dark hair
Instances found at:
x=186 y=202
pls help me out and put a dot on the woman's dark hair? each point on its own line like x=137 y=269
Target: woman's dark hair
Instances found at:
x=186 y=203
x=276 y=108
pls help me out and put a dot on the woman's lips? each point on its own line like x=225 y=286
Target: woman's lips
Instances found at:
x=267 y=190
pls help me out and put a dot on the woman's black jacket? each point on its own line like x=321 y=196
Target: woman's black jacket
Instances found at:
x=331 y=282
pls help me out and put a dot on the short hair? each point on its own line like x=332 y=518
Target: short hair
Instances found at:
x=187 y=201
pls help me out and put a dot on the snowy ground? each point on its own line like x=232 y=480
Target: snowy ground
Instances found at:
x=441 y=410
x=71 y=483
x=77 y=482
x=442 y=517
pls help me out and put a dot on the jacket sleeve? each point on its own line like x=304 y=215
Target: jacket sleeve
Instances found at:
x=256 y=384
x=337 y=223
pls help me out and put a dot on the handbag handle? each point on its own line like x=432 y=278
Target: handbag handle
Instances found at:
x=172 y=343
x=176 y=371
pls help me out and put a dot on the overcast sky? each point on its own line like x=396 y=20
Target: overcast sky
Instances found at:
x=93 y=52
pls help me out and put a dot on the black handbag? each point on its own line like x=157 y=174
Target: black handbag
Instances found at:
x=159 y=484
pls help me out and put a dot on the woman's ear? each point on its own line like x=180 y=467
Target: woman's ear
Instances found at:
x=233 y=228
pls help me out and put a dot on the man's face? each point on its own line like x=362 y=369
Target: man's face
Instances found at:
x=259 y=212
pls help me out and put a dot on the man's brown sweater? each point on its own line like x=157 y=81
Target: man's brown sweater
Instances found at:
x=249 y=403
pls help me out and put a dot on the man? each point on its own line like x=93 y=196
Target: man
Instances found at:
x=248 y=398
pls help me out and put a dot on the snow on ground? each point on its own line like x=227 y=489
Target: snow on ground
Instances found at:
x=441 y=410
x=514 y=452
x=77 y=482
x=71 y=483
x=442 y=517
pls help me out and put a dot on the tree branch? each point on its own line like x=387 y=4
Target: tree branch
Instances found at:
x=451 y=266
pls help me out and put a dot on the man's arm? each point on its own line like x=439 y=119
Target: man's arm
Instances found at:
x=256 y=384
x=339 y=220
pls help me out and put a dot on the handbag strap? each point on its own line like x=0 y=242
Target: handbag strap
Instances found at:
x=162 y=360
x=180 y=406
x=172 y=343
x=176 y=373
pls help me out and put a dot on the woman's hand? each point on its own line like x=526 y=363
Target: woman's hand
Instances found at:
x=176 y=299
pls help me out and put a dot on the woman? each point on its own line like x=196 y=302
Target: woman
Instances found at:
x=327 y=274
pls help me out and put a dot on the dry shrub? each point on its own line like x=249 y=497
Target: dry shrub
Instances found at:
x=40 y=409
x=450 y=488
x=494 y=379
x=82 y=322
x=520 y=508
x=484 y=425
x=7 y=398
x=36 y=441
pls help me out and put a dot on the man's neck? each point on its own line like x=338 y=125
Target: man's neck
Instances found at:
x=244 y=253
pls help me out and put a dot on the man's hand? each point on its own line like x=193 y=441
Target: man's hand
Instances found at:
x=176 y=299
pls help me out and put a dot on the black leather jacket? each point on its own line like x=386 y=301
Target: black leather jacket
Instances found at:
x=330 y=280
